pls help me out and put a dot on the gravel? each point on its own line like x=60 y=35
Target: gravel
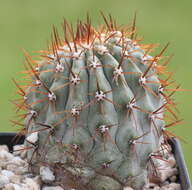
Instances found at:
x=46 y=174
x=14 y=173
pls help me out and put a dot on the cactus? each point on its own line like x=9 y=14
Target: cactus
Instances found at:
x=95 y=107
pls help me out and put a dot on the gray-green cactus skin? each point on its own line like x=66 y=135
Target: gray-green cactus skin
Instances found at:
x=95 y=110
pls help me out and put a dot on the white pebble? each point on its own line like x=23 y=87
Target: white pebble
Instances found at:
x=127 y=188
x=3 y=180
x=164 y=174
x=8 y=187
x=156 y=188
x=52 y=188
x=21 y=170
x=17 y=161
x=175 y=186
x=32 y=138
x=150 y=186
x=16 y=179
x=4 y=155
x=46 y=174
x=7 y=173
x=172 y=161
x=171 y=186
x=31 y=184
x=37 y=179
x=3 y=164
x=11 y=167
x=4 y=147
x=17 y=149
x=18 y=187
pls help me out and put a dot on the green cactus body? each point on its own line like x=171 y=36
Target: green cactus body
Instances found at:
x=95 y=109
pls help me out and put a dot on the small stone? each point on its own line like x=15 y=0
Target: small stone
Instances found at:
x=7 y=173
x=3 y=180
x=4 y=147
x=16 y=179
x=24 y=154
x=55 y=188
x=3 y=164
x=29 y=175
x=46 y=174
x=37 y=180
x=8 y=187
x=21 y=170
x=17 y=161
x=175 y=186
x=127 y=188
x=4 y=155
x=171 y=186
x=172 y=161
x=30 y=184
x=173 y=178
x=153 y=186
x=18 y=187
x=167 y=163
x=17 y=149
x=11 y=167
x=32 y=138
x=168 y=173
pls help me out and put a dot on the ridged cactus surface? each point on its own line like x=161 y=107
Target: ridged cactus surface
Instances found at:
x=95 y=107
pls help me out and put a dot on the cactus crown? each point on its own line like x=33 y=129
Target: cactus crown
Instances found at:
x=95 y=107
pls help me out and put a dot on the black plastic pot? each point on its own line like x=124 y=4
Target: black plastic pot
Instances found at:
x=184 y=180
x=10 y=140
x=183 y=173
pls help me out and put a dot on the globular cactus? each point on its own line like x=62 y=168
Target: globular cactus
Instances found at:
x=95 y=107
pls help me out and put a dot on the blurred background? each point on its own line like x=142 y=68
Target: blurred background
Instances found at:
x=27 y=24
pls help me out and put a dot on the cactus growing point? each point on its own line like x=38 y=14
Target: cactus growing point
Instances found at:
x=95 y=107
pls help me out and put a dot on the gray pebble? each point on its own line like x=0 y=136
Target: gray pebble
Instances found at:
x=46 y=174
